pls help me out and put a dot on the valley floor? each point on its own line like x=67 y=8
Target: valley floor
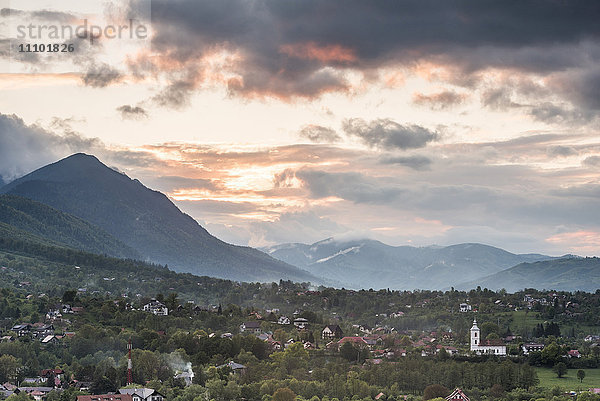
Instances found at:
x=569 y=382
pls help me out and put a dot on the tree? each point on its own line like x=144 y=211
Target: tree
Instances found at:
x=496 y=391
x=528 y=377
x=22 y=396
x=8 y=368
x=560 y=369
x=172 y=301
x=487 y=328
x=216 y=389
x=551 y=353
x=69 y=296
x=284 y=394
x=581 y=375
x=348 y=352
x=103 y=385
x=587 y=396
x=435 y=391
x=442 y=354
x=405 y=341
x=294 y=357
x=492 y=336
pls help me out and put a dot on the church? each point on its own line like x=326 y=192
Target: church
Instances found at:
x=481 y=346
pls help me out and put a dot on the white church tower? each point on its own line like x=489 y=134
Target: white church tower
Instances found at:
x=475 y=336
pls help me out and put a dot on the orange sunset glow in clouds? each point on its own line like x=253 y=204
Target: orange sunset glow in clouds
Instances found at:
x=269 y=122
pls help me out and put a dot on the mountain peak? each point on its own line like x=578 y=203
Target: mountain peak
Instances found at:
x=79 y=167
x=145 y=220
x=81 y=155
x=82 y=158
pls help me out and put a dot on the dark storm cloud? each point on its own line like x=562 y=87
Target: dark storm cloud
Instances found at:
x=388 y=134
x=47 y=15
x=498 y=99
x=51 y=15
x=101 y=75
x=592 y=161
x=439 y=101
x=288 y=48
x=561 y=151
x=24 y=148
x=7 y=12
x=132 y=112
x=176 y=94
x=458 y=203
x=414 y=162
x=317 y=133
x=552 y=113
x=582 y=87
x=355 y=187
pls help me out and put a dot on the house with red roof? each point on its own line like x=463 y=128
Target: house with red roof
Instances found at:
x=359 y=341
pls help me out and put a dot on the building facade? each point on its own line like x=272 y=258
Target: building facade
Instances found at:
x=481 y=346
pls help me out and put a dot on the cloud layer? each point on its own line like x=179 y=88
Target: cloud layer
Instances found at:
x=498 y=192
x=435 y=122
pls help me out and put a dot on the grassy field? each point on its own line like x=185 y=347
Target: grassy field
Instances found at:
x=522 y=323
x=569 y=382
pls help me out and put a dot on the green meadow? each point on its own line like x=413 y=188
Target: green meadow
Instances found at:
x=569 y=381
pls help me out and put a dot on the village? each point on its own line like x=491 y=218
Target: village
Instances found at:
x=360 y=345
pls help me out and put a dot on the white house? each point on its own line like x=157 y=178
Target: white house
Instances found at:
x=480 y=346
x=156 y=307
x=464 y=307
x=51 y=339
x=250 y=327
x=532 y=347
x=283 y=320
x=187 y=377
x=142 y=394
x=301 y=323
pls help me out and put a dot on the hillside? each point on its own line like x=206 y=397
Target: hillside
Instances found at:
x=145 y=220
x=52 y=270
x=47 y=224
x=372 y=264
x=565 y=274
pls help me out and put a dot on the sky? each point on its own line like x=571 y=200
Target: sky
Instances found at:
x=413 y=123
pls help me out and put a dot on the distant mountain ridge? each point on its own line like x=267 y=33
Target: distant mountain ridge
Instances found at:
x=373 y=264
x=21 y=215
x=569 y=273
x=146 y=221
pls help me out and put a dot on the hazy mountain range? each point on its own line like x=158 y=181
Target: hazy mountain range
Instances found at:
x=80 y=203
x=367 y=263
x=567 y=274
